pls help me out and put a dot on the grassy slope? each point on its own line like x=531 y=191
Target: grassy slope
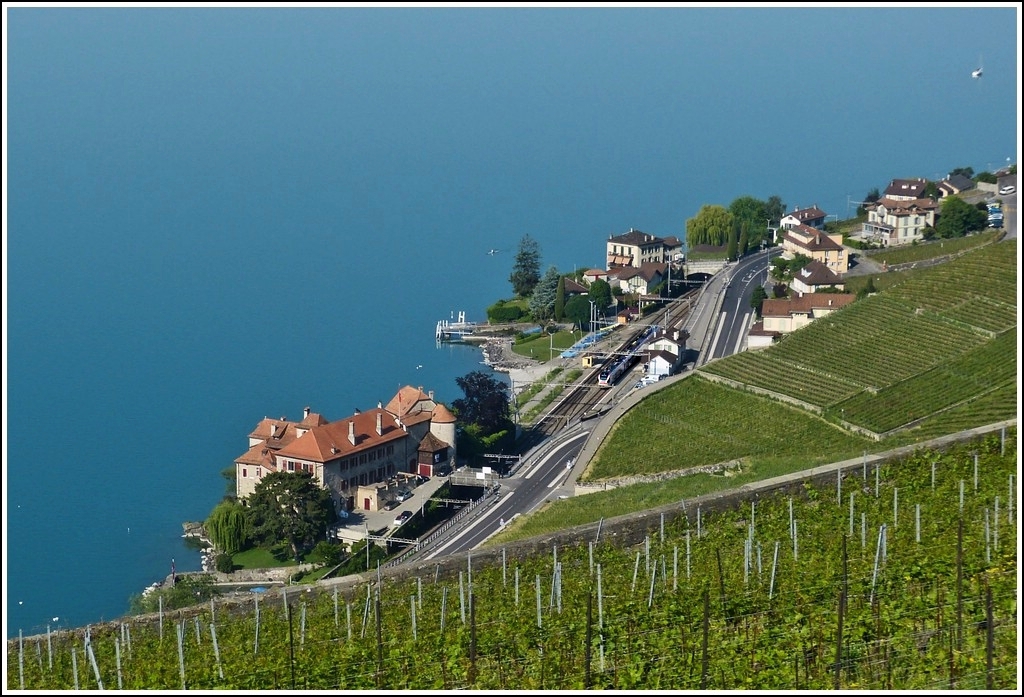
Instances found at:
x=699 y=423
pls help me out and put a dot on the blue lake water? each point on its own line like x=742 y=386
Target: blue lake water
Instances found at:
x=217 y=215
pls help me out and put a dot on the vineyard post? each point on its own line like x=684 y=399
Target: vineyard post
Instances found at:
x=877 y=487
x=380 y=644
x=636 y=569
x=21 y=661
x=989 y=638
x=256 y=641
x=995 y=526
x=49 y=648
x=960 y=582
x=117 y=662
x=195 y=619
x=348 y=619
x=181 y=654
x=647 y=554
x=600 y=600
x=216 y=650
x=917 y=523
x=462 y=600
x=74 y=666
x=472 y=639
x=933 y=475
x=213 y=615
x=650 y=594
x=412 y=613
x=791 y=516
x=675 y=567
x=537 y=585
x=746 y=561
x=865 y=465
x=335 y=607
x=302 y=624
x=961 y=495
x=39 y=654
x=291 y=641
x=839 y=487
x=751 y=520
x=878 y=555
x=975 y=472
x=590 y=640
x=597 y=537
x=160 y=603
x=1009 y=498
x=759 y=561
x=444 y=605
x=851 y=514
x=663 y=528
x=775 y=563
x=590 y=555
x=687 y=555
x=704 y=643
x=1002 y=441
x=366 y=613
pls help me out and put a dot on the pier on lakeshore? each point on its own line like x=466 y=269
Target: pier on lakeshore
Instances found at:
x=454 y=330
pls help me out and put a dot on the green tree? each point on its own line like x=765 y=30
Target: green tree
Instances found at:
x=600 y=292
x=869 y=198
x=577 y=311
x=744 y=237
x=189 y=589
x=965 y=171
x=485 y=402
x=930 y=190
x=757 y=298
x=560 y=300
x=732 y=247
x=959 y=218
x=226 y=527
x=774 y=210
x=711 y=226
x=753 y=213
x=986 y=178
x=542 y=301
x=290 y=507
x=526 y=268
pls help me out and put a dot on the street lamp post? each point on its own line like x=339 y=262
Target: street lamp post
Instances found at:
x=592 y=312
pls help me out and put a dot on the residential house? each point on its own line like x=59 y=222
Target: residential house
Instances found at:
x=955 y=184
x=784 y=315
x=817 y=245
x=352 y=457
x=664 y=352
x=640 y=280
x=572 y=288
x=812 y=217
x=815 y=276
x=905 y=189
x=896 y=221
x=591 y=275
x=636 y=248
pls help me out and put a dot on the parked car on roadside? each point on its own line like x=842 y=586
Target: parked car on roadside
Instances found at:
x=1007 y=190
x=404 y=495
x=402 y=517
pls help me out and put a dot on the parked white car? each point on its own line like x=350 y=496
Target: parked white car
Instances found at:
x=1007 y=190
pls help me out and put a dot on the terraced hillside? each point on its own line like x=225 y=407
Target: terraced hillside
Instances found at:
x=942 y=339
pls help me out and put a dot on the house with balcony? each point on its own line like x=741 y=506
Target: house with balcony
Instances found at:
x=635 y=248
x=354 y=456
x=897 y=221
x=638 y=280
x=817 y=245
x=811 y=217
x=905 y=189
